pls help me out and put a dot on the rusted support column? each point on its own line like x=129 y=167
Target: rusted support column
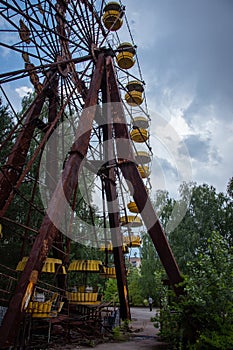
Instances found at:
x=113 y=205
x=52 y=174
x=137 y=187
x=48 y=230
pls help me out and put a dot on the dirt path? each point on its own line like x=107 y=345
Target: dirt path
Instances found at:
x=144 y=336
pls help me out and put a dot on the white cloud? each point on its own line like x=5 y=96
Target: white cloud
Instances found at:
x=23 y=91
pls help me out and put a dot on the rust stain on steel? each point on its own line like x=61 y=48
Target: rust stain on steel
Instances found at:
x=47 y=230
x=137 y=187
x=113 y=204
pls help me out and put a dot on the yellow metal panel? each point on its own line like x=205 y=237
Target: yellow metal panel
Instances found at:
x=125 y=60
x=132 y=206
x=133 y=221
x=134 y=98
x=111 y=20
x=139 y=135
x=144 y=171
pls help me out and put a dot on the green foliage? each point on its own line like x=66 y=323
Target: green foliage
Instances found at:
x=6 y=124
x=111 y=292
x=203 y=317
x=149 y=267
x=230 y=187
x=121 y=333
x=208 y=211
x=134 y=287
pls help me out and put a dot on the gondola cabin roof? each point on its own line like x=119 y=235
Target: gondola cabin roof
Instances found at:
x=51 y=265
x=133 y=221
x=85 y=265
x=132 y=206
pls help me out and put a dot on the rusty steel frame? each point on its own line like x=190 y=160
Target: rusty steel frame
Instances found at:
x=137 y=188
x=48 y=230
x=109 y=179
x=67 y=184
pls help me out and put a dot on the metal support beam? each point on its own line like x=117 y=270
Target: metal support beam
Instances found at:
x=52 y=174
x=48 y=230
x=137 y=187
x=113 y=204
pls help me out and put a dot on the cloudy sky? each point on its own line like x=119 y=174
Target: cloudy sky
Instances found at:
x=186 y=52
x=185 y=48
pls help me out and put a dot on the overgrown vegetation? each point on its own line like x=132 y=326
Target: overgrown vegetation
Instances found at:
x=203 y=317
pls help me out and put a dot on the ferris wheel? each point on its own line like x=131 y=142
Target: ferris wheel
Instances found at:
x=57 y=45
x=83 y=133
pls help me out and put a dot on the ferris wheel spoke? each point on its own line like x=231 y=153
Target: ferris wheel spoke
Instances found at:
x=32 y=22
x=100 y=28
x=88 y=23
x=45 y=34
x=79 y=21
x=92 y=20
x=22 y=51
x=68 y=25
x=80 y=24
x=67 y=87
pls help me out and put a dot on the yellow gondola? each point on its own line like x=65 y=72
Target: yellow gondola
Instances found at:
x=134 y=95
x=45 y=309
x=144 y=171
x=132 y=206
x=125 y=58
x=84 y=295
x=133 y=221
x=112 y=14
x=51 y=265
x=142 y=157
x=108 y=272
x=83 y=298
x=85 y=265
x=132 y=241
x=109 y=248
x=140 y=122
x=139 y=135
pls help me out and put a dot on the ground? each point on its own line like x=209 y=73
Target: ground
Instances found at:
x=144 y=335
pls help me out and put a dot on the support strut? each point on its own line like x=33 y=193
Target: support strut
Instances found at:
x=113 y=204
x=130 y=172
x=48 y=230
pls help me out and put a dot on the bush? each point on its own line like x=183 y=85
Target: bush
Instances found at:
x=203 y=317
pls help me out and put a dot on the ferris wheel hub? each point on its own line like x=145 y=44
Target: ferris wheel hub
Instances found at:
x=62 y=67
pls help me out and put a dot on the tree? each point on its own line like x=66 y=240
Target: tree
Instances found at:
x=208 y=211
x=111 y=292
x=203 y=317
x=149 y=266
x=230 y=188
x=6 y=125
x=134 y=286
